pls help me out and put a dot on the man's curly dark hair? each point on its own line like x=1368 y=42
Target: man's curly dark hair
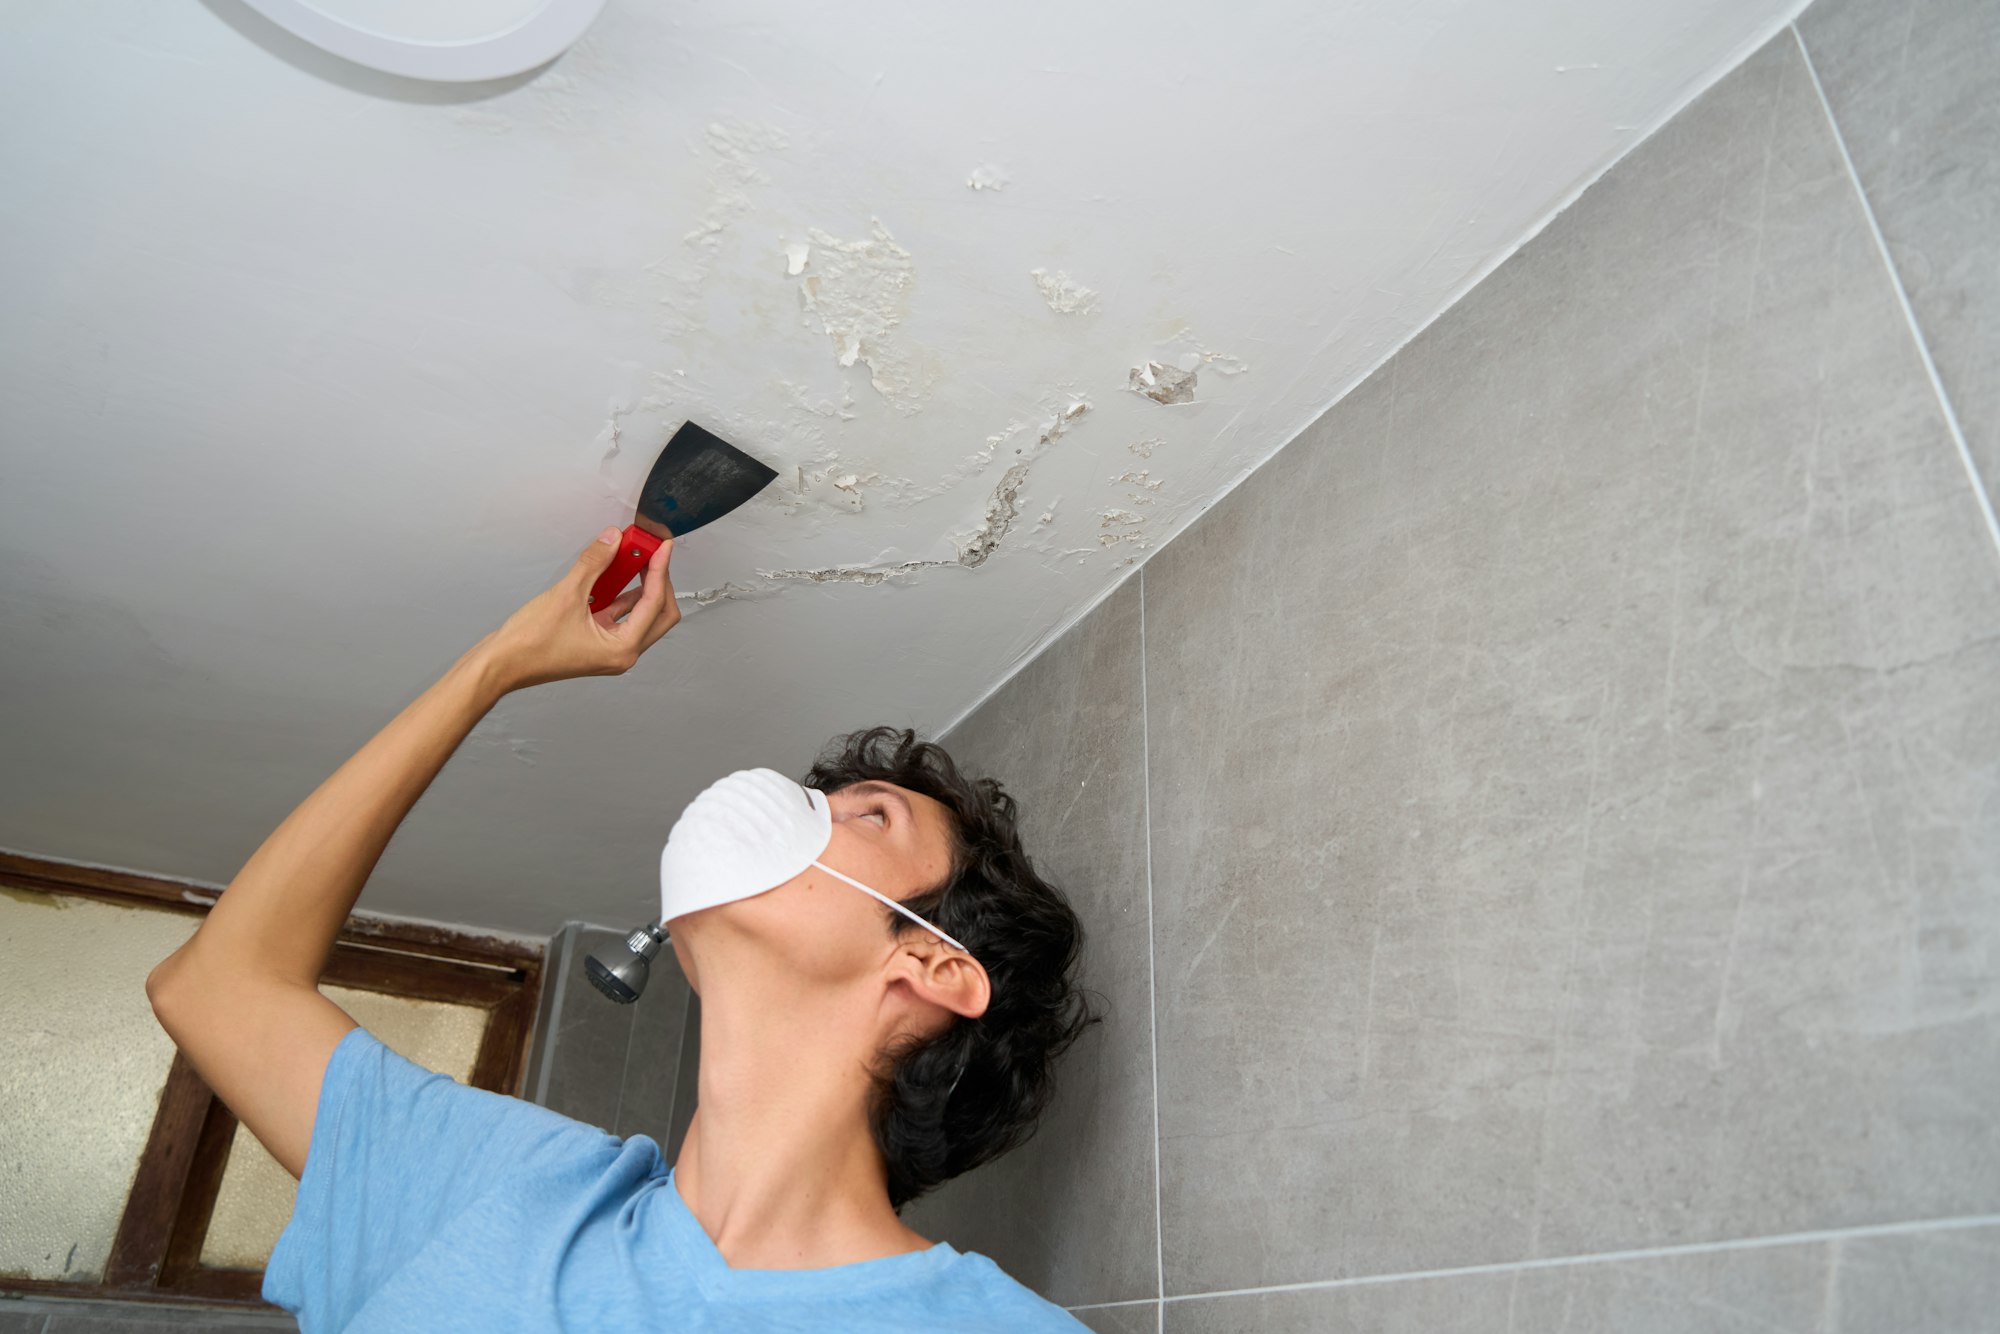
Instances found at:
x=948 y=1103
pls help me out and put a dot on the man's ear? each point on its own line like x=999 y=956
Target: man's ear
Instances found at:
x=949 y=978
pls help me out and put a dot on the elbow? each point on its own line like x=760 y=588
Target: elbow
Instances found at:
x=163 y=988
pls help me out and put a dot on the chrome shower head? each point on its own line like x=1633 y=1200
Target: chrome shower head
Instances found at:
x=619 y=971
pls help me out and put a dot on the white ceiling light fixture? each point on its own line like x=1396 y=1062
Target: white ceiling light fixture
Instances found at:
x=447 y=41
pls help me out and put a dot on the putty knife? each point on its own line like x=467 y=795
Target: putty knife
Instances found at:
x=698 y=478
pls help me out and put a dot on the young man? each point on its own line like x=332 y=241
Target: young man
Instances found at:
x=852 y=1057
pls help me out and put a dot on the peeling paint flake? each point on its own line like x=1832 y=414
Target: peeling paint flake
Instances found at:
x=797 y=253
x=1162 y=383
x=1065 y=296
x=857 y=292
x=986 y=176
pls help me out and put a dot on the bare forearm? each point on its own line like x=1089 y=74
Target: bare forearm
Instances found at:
x=280 y=915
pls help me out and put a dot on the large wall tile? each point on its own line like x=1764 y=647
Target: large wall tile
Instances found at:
x=1942 y=1282
x=586 y=1053
x=1938 y=1282
x=1072 y=1213
x=613 y=1066
x=1911 y=85
x=653 y=1054
x=1139 y=1318
x=1575 y=759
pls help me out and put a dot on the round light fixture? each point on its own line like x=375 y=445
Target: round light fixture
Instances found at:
x=450 y=41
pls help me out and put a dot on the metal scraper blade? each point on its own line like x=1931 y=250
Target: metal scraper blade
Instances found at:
x=698 y=478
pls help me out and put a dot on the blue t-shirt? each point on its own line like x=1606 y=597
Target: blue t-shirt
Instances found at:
x=427 y=1205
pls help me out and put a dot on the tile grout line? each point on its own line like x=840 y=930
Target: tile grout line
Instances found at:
x=1152 y=955
x=625 y=1066
x=1951 y=421
x=1773 y=1241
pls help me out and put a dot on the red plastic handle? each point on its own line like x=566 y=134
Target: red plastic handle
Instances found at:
x=635 y=547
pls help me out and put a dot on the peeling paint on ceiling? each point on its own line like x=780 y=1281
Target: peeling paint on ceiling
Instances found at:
x=310 y=375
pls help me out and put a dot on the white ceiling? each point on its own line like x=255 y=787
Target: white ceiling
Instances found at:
x=309 y=375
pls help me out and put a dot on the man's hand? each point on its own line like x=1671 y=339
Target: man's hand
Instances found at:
x=556 y=635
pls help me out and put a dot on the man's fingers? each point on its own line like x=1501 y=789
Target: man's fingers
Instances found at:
x=620 y=605
x=592 y=560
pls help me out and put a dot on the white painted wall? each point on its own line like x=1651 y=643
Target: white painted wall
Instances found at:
x=309 y=375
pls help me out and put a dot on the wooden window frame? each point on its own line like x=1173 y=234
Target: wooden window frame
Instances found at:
x=156 y=1253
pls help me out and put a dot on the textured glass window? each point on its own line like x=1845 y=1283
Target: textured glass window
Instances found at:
x=82 y=1063
x=256 y=1197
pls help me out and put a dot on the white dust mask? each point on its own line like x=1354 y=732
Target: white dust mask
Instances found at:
x=748 y=833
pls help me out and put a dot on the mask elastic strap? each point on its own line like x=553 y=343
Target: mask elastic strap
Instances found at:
x=893 y=904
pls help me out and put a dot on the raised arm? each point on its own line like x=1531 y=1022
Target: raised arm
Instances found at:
x=241 y=997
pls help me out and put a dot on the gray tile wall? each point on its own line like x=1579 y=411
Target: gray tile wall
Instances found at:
x=1065 y=736
x=613 y=1066
x=1911 y=85
x=1572 y=776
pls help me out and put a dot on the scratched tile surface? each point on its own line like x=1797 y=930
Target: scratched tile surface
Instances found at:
x=1575 y=760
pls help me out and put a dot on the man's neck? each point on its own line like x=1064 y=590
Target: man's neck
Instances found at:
x=779 y=1166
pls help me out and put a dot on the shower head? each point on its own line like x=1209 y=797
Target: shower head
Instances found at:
x=619 y=971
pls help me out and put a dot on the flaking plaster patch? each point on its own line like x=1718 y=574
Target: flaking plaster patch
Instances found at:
x=796 y=255
x=1148 y=486
x=857 y=292
x=1197 y=356
x=902 y=494
x=1144 y=448
x=828 y=482
x=1003 y=507
x=732 y=172
x=733 y=169
x=986 y=176
x=1162 y=383
x=823 y=407
x=1064 y=295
